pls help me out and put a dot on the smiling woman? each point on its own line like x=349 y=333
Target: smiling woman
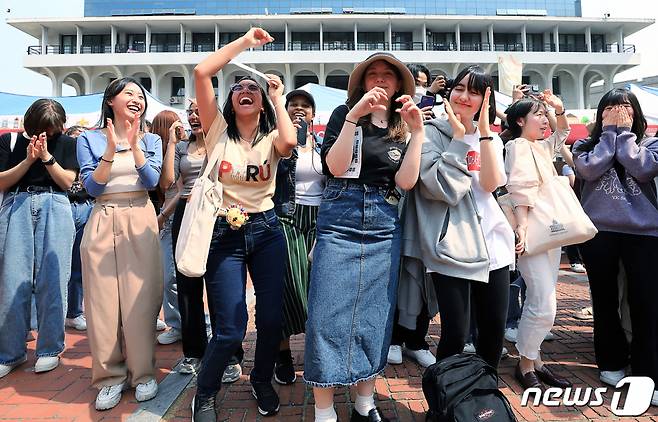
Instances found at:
x=121 y=268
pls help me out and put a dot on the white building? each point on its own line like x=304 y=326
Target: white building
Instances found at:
x=566 y=53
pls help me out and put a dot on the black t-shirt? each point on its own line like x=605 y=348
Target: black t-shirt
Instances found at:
x=61 y=147
x=380 y=159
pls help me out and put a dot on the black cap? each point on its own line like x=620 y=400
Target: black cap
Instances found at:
x=302 y=93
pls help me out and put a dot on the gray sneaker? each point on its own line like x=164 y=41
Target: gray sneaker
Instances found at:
x=189 y=366
x=232 y=373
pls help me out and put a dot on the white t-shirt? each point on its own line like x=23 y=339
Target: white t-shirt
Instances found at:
x=309 y=180
x=498 y=234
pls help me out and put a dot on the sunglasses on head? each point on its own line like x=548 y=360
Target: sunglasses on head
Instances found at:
x=250 y=87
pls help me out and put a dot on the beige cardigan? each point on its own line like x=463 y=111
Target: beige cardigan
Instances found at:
x=522 y=177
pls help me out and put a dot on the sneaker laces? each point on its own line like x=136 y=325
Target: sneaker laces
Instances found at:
x=205 y=404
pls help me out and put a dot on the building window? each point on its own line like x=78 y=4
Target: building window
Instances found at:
x=337 y=81
x=177 y=86
x=68 y=44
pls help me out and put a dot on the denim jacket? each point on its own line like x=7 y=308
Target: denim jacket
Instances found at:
x=90 y=147
x=284 y=195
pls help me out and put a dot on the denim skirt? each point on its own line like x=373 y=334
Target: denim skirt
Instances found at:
x=353 y=285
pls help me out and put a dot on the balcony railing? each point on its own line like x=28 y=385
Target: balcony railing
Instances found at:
x=475 y=46
x=304 y=45
x=508 y=46
x=407 y=45
x=134 y=48
x=94 y=49
x=338 y=45
x=573 y=48
x=274 y=46
x=377 y=46
x=198 y=47
x=164 y=48
x=447 y=46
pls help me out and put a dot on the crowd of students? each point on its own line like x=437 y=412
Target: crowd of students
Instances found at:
x=357 y=239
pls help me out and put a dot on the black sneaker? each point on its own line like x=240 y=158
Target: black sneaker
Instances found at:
x=203 y=409
x=268 y=400
x=284 y=371
x=375 y=415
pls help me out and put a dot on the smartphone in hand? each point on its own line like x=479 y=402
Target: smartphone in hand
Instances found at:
x=301 y=133
x=426 y=101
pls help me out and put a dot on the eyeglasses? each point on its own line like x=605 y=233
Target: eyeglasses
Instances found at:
x=249 y=87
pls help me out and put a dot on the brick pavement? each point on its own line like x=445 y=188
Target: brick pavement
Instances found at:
x=65 y=394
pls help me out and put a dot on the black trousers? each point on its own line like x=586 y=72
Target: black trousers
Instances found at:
x=456 y=296
x=412 y=339
x=573 y=253
x=639 y=255
x=190 y=303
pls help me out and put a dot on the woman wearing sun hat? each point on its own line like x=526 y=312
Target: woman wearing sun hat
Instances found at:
x=371 y=147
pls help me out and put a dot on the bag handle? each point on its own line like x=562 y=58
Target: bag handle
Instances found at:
x=534 y=159
x=217 y=154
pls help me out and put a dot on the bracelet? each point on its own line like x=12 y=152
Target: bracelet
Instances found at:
x=107 y=161
x=486 y=138
x=561 y=114
x=349 y=121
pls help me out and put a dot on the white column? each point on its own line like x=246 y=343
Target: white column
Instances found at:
x=390 y=36
x=491 y=38
x=44 y=40
x=57 y=87
x=181 y=42
x=458 y=37
x=620 y=39
x=113 y=38
x=287 y=37
x=216 y=46
x=321 y=37
x=148 y=38
x=356 y=37
x=588 y=38
x=580 y=97
x=524 y=37
x=424 y=36
x=556 y=39
x=322 y=77
x=78 y=43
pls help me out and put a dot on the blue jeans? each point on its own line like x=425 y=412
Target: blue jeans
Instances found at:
x=515 y=308
x=36 y=236
x=260 y=247
x=170 y=297
x=80 y=213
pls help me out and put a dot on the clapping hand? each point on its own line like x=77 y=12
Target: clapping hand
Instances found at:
x=133 y=130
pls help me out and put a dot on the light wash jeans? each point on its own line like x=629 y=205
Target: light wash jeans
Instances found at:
x=170 y=297
x=81 y=213
x=36 y=237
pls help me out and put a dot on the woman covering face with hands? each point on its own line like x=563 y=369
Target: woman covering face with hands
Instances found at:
x=618 y=165
x=371 y=146
x=36 y=235
x=120 y=249
x=453 y=227
x=255 y=132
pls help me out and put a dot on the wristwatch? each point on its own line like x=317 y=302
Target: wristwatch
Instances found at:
x=49 y=162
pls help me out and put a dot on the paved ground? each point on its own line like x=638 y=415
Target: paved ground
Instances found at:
x=65 y=394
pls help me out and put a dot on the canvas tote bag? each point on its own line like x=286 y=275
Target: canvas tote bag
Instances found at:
x=557 y=218
x=201 y=211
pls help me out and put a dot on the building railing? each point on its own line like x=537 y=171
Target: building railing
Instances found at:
x=274 y=46
x=164 y=48
x=377 y=46
x=94 y=49
x=475 y=46
x=407 y=45
x=516 y=46
x=304 y=45
x=134 y=48
x=198 y=47
x=338 y=45
x=441 y=46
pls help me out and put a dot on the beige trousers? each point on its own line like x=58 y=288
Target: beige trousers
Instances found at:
x=122 y=283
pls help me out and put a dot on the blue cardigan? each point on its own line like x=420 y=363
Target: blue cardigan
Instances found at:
x=91 y=146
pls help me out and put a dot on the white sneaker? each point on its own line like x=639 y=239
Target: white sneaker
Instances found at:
x=46 y=363
x=146 y=391
x=109 y=396
x=170 y=337
x=160 y=325
x=79 y=323
x=424 y=357
x=394 y=354
x=469 y=348
x=6 y=369
x=550 y=336
x=578 y=268
x=511 y=334
x=654 y=399
x=612 y=377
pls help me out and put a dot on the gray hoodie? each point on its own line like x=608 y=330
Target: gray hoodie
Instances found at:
x=441 y=224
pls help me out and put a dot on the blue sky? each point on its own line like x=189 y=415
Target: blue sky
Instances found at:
x=17 y=79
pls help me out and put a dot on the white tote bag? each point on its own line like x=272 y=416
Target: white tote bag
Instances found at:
x=557 y=218
x=201 y=211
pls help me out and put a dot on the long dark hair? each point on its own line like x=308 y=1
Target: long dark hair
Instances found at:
x=43 y=115
x=397 y=128
x=617 y=96
x=113 y=89
x=479 y=81
x=519 y=110
x=266 y=123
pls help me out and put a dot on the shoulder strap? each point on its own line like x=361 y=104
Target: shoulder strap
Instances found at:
x=12 y=142
x=217 y=156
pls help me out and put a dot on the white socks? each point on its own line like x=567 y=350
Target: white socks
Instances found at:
x=364 y=404
x=325 y=415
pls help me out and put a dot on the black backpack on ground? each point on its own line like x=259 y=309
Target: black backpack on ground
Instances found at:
x=464 y=388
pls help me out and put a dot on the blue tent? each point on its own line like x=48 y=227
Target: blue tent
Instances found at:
x=14 y=104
